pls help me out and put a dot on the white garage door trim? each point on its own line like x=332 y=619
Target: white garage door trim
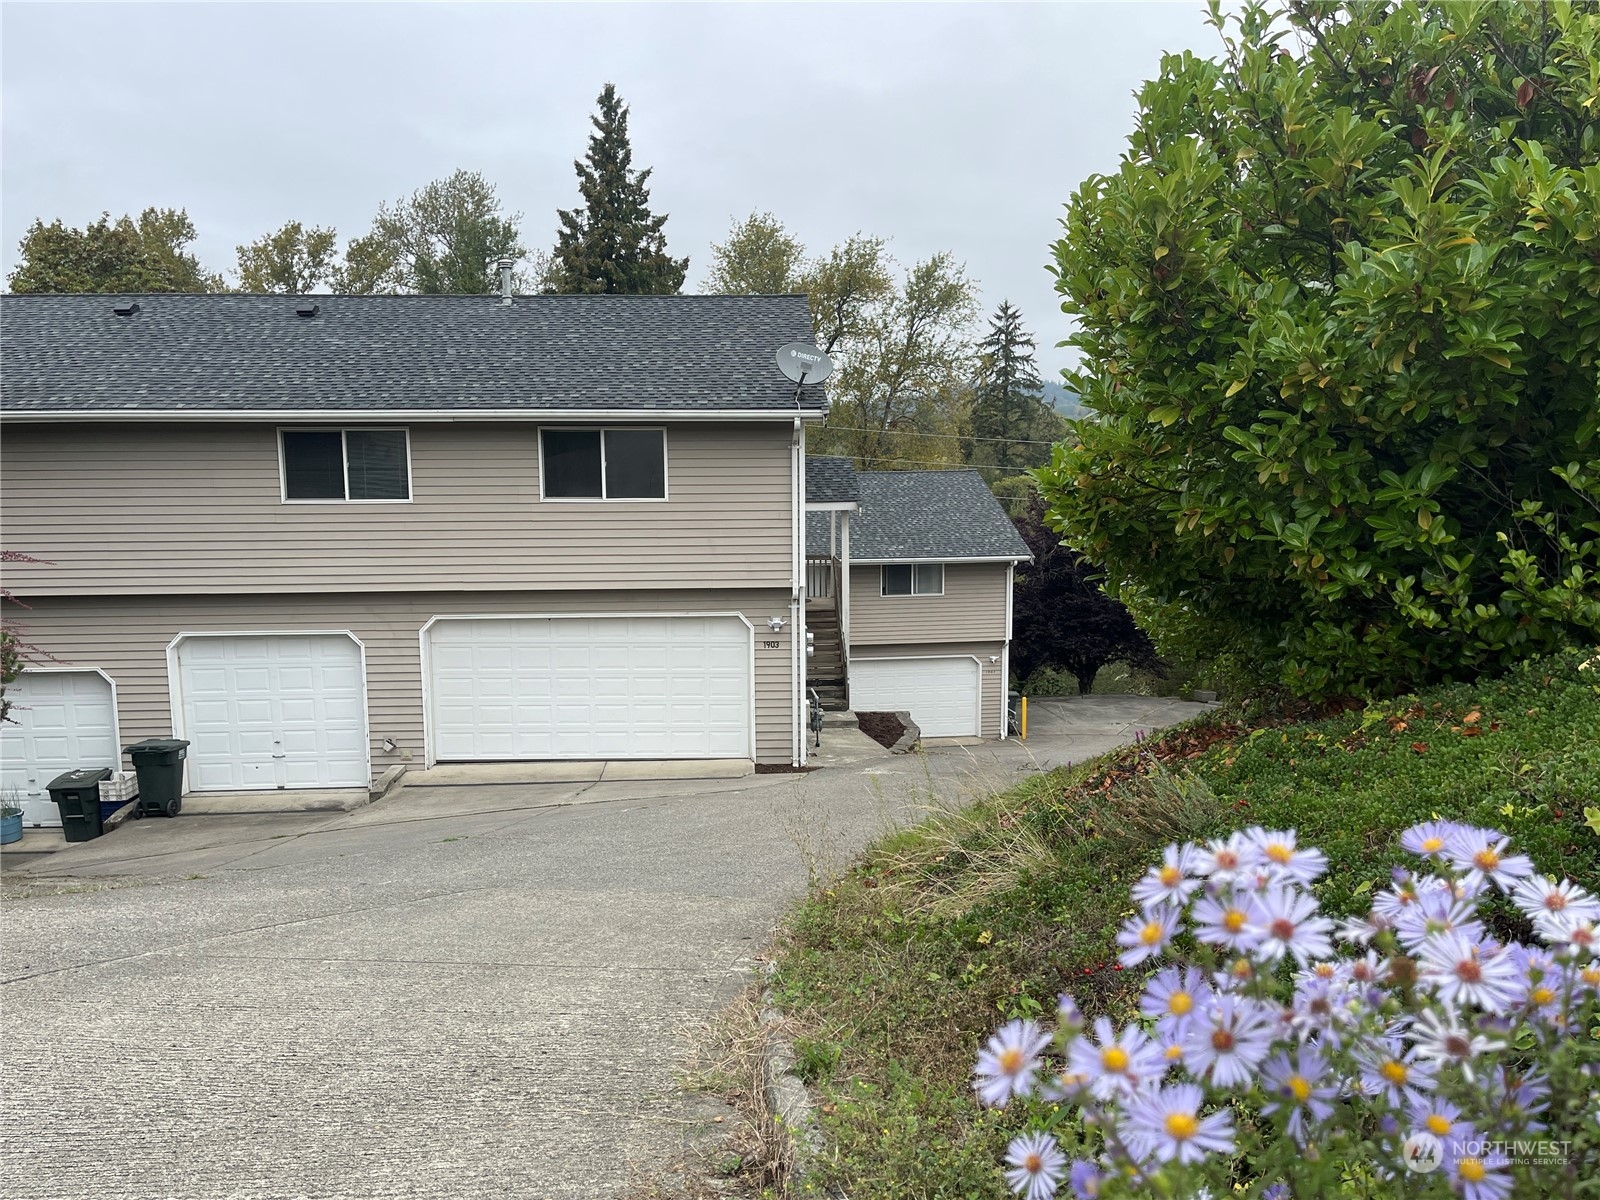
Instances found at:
x=175 y=684
x=977 y=699
x=425 y=643
x=37 y=813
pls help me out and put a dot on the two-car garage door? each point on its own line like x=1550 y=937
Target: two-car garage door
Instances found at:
x=589 y=687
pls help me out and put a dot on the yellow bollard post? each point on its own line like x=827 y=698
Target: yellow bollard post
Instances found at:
x=1022 y=719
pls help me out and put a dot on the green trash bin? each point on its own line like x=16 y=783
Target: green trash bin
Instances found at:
x=159 y=764
x=77 y=797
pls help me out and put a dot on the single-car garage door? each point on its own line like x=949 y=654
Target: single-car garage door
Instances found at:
x=526 y=688
x=941 y=694
x=273 y=711
x=60 y=720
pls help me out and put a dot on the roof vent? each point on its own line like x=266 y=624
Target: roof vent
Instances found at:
x=307 y=309
x=506 y=266
x=126 y=309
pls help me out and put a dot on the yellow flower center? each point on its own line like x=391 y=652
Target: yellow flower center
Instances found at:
x=1432 y=845
x=1486 y=859
x=1169 y=876
x=1151 y=933
x=1542 y=995
x=1174 y=1052
x=1591 y=976
x=1182 y=1126
x=1324 y=970
x=1233 y=920
x=1471 y=1170
x=1114 y=1058
x=1300 y=1088
x=1011 y=1060
x=1279 y=853
x=1437 y=1125
x=1180 y=1004
x=1394 y=1072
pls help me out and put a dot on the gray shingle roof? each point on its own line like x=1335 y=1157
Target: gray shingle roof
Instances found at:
x=240 y=353
x=831 y=479
x=942 y=515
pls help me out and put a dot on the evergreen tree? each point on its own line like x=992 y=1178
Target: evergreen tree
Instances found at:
x=1011 y=422
x=613 y=244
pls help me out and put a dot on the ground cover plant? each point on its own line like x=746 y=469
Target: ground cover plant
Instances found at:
x=898 y=970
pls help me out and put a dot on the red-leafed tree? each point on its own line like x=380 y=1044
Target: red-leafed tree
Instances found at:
x=1062 y=617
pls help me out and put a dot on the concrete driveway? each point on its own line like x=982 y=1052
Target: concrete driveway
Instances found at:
x=470 y=991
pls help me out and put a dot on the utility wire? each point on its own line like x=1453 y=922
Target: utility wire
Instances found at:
x=956 y=437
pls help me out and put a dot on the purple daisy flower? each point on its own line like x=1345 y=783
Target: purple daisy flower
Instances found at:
x=1440 y=1037
x=1476 y=1176
x=1540 y=896
x=1229 y=1040
x=1173 y=882
x=1396 y=1074
x=1297 y=1087
x=1146 y=935
x=1290 y=925
x=1437 y=911
x=1116 y=1064
x=1085 y=1179
x=1460 y=973
x=1228 y=920
x=1481 y=854
x=1009 y=1064
x=1226 y=859
x=1173 y=997
x=1166 y=1124
x=1284 y=860
x=1035 y=1162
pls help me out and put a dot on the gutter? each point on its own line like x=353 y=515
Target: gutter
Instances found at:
x=313 y=416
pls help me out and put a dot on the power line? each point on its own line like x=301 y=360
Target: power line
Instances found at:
x=949 y=466
x=955 y=437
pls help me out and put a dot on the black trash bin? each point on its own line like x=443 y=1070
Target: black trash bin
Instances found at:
x=159 y=765
x=77 y=796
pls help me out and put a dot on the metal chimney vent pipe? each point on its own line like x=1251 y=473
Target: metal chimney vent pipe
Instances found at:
x=506 y=265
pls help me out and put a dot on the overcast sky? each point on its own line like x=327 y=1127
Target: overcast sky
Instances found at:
x=941 y=127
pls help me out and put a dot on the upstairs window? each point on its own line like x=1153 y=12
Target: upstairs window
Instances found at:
x=346 y=464
x=604 y=464
x=914 y=579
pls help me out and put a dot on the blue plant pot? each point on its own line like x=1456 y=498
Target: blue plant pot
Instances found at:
x=10 y=829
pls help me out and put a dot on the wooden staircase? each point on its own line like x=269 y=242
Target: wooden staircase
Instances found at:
x=825 y=670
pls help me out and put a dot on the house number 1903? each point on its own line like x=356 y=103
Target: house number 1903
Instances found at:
x=766 y=645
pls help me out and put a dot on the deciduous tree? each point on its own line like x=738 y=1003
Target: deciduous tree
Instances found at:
x=444 y=239
x=613 y=243
x=293 y=261
x=759 y=258
x=1061 y=616
x=149 y=255
x=1338 y=311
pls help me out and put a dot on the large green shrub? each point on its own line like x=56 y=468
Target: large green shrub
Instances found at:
x=1340 y=316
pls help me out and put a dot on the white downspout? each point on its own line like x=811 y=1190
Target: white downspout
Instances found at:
x=797 y=607
x=1005 y=655
x=844 y=597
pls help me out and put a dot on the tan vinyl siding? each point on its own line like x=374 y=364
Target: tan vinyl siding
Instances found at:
x=993 y=683
x=973 y=607
x=127 y=637
x=137 y=509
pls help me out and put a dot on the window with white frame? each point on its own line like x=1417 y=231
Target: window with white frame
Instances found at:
x=603 y=464
x=345 y=464
x=913 y=579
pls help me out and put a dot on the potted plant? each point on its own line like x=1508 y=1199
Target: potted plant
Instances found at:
x=10 y=819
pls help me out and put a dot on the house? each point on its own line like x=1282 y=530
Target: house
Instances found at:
x=317 y=537
x=909 y=578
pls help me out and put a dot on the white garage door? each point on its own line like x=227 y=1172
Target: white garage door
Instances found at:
x=273 y=711
x=941 y=694
x=524 y=688
x=63 y=720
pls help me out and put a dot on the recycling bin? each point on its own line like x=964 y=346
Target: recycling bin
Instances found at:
x=159 y=764
x=77 y=797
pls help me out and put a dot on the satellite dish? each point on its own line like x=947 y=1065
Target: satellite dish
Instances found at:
x=801 y=363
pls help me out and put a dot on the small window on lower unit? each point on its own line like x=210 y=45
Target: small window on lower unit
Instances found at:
x=346 y=464
x=604 y=464
x=914 y=579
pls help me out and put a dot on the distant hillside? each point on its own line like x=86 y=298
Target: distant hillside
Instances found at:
x=1063 y=399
